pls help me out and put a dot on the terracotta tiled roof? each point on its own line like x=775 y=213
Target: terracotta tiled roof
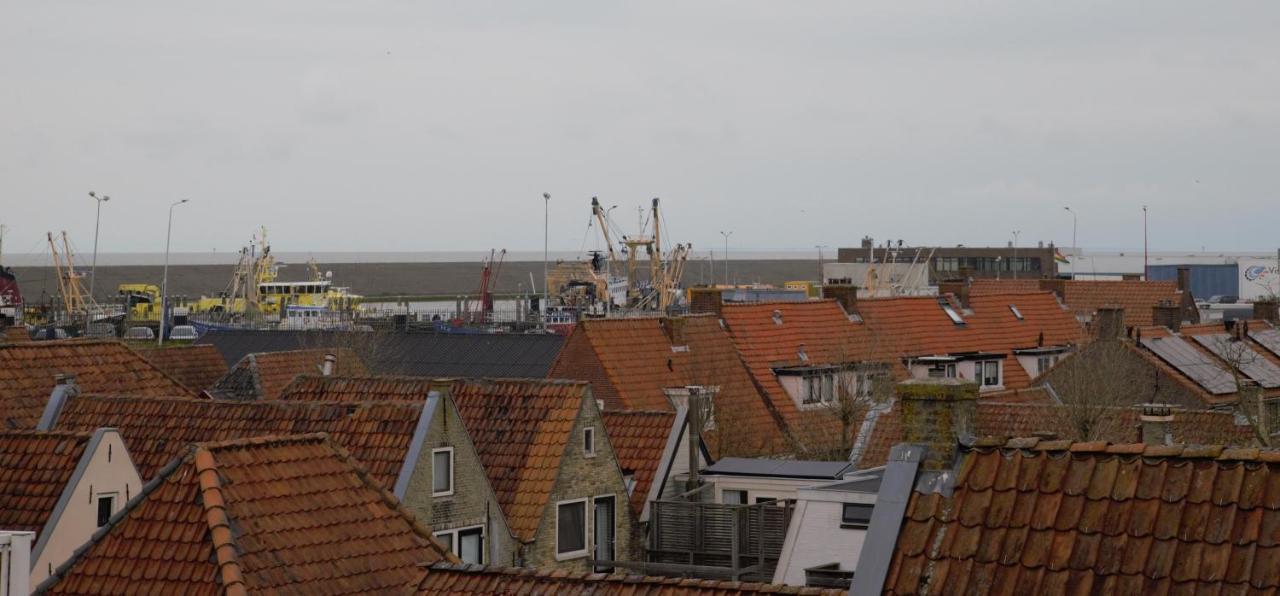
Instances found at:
x=316 y=388
x=267 y=515
x=982 y=287
x=631 y=362
x=15 y=335
x=27 y=374
x=827 y=335
x=919 y=326
x=449 y=578
x=197 y=367
x=34 y=470
x=639 y=440
x=1085 y=297
x=1056 y=517
x=158 y=429
x=265 y=375
x=1004 y=420
x=520 y=428
x=1029 y=395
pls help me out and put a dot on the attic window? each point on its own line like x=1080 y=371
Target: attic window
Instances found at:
x=951 y=312
x=801 y=355
x=777 y=317
x=1016 y=313
x=679 y=349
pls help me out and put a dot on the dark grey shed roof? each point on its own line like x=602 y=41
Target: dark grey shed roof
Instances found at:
x=780 y=468
x=414 y=354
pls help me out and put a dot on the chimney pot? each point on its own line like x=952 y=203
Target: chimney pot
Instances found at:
x=1156 y=420
x=330 y=362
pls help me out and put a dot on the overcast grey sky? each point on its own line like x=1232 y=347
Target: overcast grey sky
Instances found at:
x=437 y=126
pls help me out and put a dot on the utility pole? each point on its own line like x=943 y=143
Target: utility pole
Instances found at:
x=1014 y=264
x=93 y=271
x=546 y=235
x=1074 y=224
x=726 y=254
x=1146 y=270
x=164 y=285
x=820 y=276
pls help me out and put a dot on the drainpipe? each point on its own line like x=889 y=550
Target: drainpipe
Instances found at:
x=694 y=422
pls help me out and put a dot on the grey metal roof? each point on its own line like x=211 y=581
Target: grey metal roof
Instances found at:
x=1238 y=353
x=415 y=354
x=866 y=481
x=1181 y=355
x=778 y=468
x=1270 y=338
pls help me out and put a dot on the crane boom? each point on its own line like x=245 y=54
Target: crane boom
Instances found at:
x=602 y=217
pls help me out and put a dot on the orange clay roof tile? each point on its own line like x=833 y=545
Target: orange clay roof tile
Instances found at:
x=27 y=374
x=520 y=428
x=158 y=429
x=34 y=470
x=197 y=367
x=632 y=362
x=214 y=522
x=639 y=440
x=1084 y=297
x=448 y=578
x=826 y=334
x=1100 y=518
x=1001 y=420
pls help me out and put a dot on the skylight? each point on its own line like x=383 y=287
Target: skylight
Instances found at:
x=1017 y=313
x=951 y=312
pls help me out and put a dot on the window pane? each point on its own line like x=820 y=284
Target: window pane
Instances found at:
x=471 y=546
x=442 y=472
x=856 y=514
x=589 y=440
x=105 y=505
x=735 y=497
x=571 y=528
x=447 y=540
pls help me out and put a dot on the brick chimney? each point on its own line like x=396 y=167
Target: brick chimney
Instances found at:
x=673 y=327
x=956 y=287
x=1057 y=286
x=1184 y=279
x=705 y=300
x=1156 y=420
x=1108 y=323
x=937 y=413
x=1167 y=315
x=845 y=294
x=1267 y=310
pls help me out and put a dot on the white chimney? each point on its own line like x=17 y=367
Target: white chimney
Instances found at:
x=15 y=563
x=330 y=361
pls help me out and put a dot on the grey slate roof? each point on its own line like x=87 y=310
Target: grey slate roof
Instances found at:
x=780 y=468
x=414 y=354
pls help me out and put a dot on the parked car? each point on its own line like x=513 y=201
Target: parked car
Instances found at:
x=183 y=333
x=140 y=333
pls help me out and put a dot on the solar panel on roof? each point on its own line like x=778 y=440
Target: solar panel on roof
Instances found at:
x=1182 y=356
x=1243 y=357
x=1269 y=338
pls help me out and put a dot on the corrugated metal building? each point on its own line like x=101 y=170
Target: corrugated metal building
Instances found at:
x=1206 y=280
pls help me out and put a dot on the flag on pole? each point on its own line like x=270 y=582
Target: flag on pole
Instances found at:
x=1059 y=257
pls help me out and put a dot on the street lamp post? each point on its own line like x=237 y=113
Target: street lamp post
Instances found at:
x=726 y=255
x=820 y=247
x=93 y=271
x=1074 y=224
x=546 y=234
x=164 y=285
x=1014 y=264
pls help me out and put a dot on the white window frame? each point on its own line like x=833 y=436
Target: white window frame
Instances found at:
x=97 y=505
x=586 y=530
x=981 y=376
x=589 y=432
x=455 y=541
x=452 y=465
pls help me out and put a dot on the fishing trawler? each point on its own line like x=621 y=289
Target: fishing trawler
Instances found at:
x=257 y=298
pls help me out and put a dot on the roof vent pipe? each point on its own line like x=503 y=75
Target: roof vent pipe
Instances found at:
x=330 y=362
